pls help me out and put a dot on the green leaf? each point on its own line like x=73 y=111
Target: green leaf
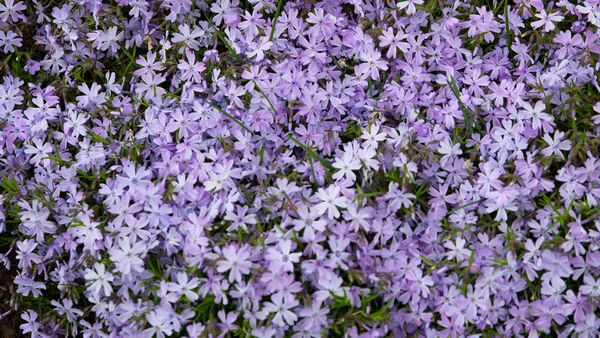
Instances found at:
x=364 y=302
x=466 y=113
x=205 y=310
x=9 y=185
x=98 y=138
x=464 y=206
x=507 y=23
x=153 y=265
x=222 y=111
x=339 y=302
x=312 y=154
x=277 y=13
x=131 y=59
x=382 y=314
x=472 y=257
x=55 y=159
x=312 y=170
x=265 y=96
x=223 y=39
x=407 y=175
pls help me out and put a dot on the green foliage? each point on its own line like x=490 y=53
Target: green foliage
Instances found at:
x=206 y=310
x=467 y=114
x=153 y=265
x=9 y=185
x=372 y=311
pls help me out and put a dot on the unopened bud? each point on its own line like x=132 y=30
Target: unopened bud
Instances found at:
x=467 y=165
x=404 y=143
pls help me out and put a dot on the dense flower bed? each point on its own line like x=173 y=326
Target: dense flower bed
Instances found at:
x=189 y=168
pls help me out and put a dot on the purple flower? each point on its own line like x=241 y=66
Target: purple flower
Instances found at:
x=100 y=279
x=236 y=262
x=66 y=308
x=282 y=257
x=281 y=306
x=442 y=180
x=128 y=256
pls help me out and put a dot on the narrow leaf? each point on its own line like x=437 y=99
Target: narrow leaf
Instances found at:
x=277 y=13
x=312 y=154
x=222 y=111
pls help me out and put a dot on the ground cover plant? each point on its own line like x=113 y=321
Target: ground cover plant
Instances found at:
x=270 y=168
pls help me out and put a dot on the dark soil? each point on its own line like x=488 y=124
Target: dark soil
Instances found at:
x=9 y=325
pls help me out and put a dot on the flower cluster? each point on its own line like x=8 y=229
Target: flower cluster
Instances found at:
x=270 y=168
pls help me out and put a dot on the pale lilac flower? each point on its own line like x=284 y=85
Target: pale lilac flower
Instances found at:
x=547 y=20
x=282 y=257
x=409 y=5
x=330 y=201
x=66 y=308
x=556 y=145
x=100 y=279
x=128 y=257
x=236 y=262
x=281 y=307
